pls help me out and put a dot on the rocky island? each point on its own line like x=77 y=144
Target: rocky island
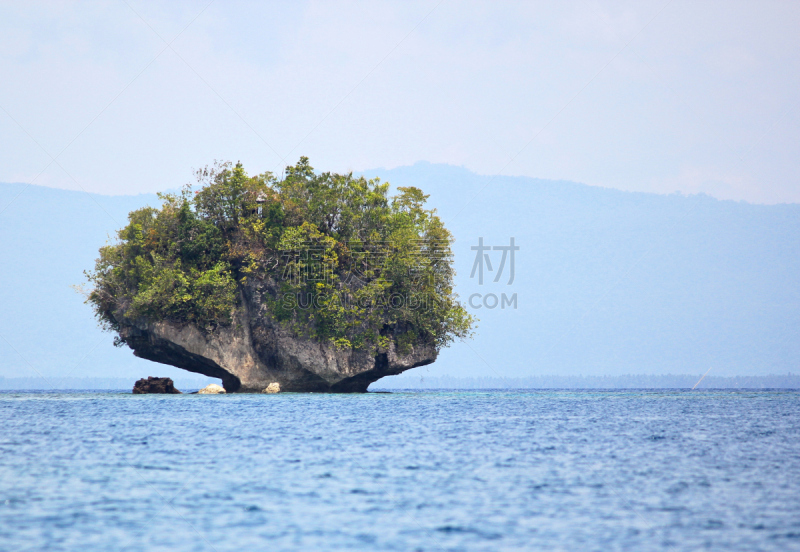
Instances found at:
x=315 y=282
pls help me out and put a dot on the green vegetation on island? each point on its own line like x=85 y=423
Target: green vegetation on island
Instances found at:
x=334 y=256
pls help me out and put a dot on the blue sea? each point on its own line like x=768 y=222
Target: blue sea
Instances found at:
x=423 y=470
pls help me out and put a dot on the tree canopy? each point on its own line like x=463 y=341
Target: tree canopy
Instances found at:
x=334 y=257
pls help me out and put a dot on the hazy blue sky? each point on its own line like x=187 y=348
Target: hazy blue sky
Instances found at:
x=652 y=96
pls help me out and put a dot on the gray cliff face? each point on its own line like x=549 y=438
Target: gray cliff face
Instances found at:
x=255 y=351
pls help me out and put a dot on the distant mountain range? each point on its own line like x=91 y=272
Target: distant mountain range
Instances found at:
x=606 y=282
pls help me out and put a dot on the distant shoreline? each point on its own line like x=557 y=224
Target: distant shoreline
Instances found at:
x=631 y=381
x=411 y=381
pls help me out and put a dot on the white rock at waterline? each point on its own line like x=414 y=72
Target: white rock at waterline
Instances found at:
x=211 y=389
x=273 y=387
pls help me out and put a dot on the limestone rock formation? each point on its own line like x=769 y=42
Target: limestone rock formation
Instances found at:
x=211 y=389
x=273 y=387
x=318 y=282
x=255 y=351
x=155 y=385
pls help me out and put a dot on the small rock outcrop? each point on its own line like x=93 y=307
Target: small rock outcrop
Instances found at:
x=273 y=387
x=155 y=385
x=211 y=389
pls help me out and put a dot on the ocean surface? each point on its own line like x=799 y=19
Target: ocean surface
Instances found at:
x=423 y=470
